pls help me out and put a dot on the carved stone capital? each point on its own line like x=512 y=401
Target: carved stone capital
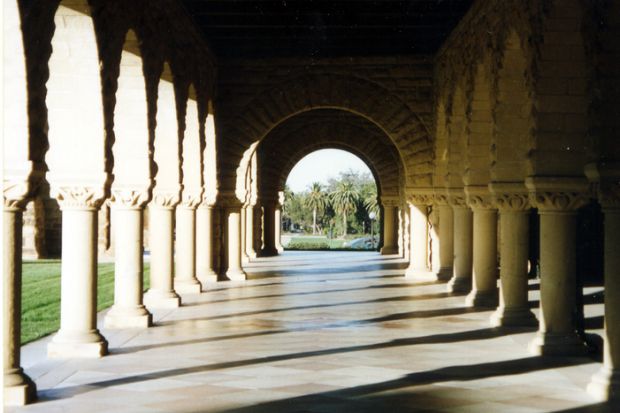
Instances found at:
x=609 y=195
x=479 y=197
x=456 y=197
x=15 y=195
x=390 y=202
x=129 y=198
x=440 y=199
x=605 y=177
x=510 y=196
x=165 y=199
x=558 y=194
x=78 y=197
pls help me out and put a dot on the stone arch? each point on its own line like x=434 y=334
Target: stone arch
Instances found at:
x=167 y=145
x=331 y=129
x=328 y=91
x=456 y=137
x=440 y=145
x=480 y=127
x=512 y=137
x=74 y=71
x=132 y=148
x=192 y=152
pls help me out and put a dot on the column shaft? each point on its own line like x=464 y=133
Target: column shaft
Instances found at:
x=390 y=241
x=234 y=271
x=446 y=242
x=484 y=287
x=204 y=244
x=19 y=389
x=463 y=239
x=606 y=383
x=277 y=221
x=514 y=308
x=418 y=242
x=78 y=335
x=269 y=232
x=128 y=310
x=185 y=281
x=557 y=335
x=245 y=258
x=250 y=231
x=161 y=292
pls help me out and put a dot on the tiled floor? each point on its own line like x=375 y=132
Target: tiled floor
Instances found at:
x=318 y=332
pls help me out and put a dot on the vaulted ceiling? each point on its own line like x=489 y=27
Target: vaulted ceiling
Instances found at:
x=325 y=28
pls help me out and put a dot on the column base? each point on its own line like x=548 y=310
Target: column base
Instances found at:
x=420 y=274
x=605 y=384
x=459 y=285
x=236 y=275
x=137 y=317
x=513 y=317
x=558 y=344
x=19 y=389
x=389 y=250
x=268 y=253
x=479 y=298
x=164 y=300
x=209 y=277
x=444 y=274
x=80 y=345
x=187 y=287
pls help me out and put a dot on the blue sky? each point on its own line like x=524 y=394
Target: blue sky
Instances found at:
x=321 y=165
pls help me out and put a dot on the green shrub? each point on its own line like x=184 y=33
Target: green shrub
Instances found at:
x=308 y=245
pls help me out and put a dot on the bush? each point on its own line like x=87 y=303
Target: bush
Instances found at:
x=307 y=245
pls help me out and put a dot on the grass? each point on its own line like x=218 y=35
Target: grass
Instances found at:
x=41 y=295
x=332 y=243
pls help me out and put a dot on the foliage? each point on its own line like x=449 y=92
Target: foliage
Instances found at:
x=41 y=295
x=316 y=200
x=344 y=199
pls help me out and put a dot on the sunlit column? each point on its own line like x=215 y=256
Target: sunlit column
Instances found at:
x=278 y=223
x=557 y=202
x=463 y=240
x=185 y=281
x=250 y=238
x=484 y=287
x=390 y=233
x=234 y=271
x=269 y=229
x=204 y=243
x=418 y=239
x=445 y=237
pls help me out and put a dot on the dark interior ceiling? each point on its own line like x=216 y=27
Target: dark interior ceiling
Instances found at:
x=324 y=28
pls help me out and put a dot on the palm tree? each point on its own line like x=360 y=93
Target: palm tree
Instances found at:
x=344 y=199
x=316 y=200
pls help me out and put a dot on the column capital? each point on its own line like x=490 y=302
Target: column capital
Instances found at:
x=605 y=177
x=479 y=197
x=165 y=199
x=130 y=198
x=15 y=195
x=78 y=197
x=456 y=197
x=420 y=196
x=190 y=200
x=558 y=194
x=510 y=196
x=388 y=201
x=441 y=199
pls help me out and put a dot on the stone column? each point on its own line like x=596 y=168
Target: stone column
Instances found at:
x=484 y=288
x=557 y=201
x=258 y=229
x=185 y=281
x=204 y=243
x=235 y=271
x=161 y=293
x=277 y=229
x=78 y=335
x=513 y=204
x=245 y=258
x=446 y=238
x=128 y=310
x=269 y=228
x=463 y=240
x=19 y=389
x=418 y=239
x=605 y=383
x=250 y=232
x=390 y=233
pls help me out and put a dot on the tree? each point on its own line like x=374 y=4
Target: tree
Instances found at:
x=344 y=199
x=316 y=200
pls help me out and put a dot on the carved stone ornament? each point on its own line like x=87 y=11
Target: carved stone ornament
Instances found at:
x=558 y=201
x=15 y=195
x=190 y=200
x=129 y=198
x=165 y=199
x=511 y=201
x=390 y=202
x=479 y=197
x=609 y=195
x=420 y=198
x=440 y=199
x=78 y=197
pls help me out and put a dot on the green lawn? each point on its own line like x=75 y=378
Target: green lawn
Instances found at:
x=41 y=295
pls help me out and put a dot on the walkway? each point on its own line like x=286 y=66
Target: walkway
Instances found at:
x=317 y=332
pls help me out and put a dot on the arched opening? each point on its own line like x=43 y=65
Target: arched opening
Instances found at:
x=331 y=201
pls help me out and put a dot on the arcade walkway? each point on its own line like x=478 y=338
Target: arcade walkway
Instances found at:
x=318 y=332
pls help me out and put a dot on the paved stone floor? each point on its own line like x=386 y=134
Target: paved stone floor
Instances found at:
x=318 y=332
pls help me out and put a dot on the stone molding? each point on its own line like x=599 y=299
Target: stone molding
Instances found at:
x=130 y=198
x=479 y=197
x=558 y=194
x=440 y=200
x=510 y=196
x=456 y=197
x=78 y=197
x=165 y=199
x=390 y=202
x=420 y=196
x=605 y=179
